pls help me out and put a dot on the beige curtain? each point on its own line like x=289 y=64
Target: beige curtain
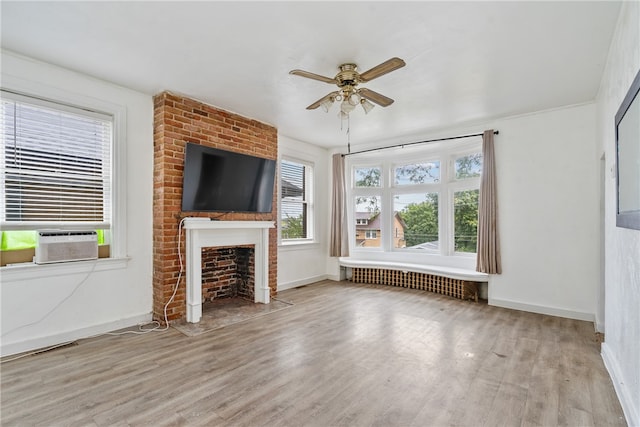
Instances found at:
x=339 y=243
x=488 y=259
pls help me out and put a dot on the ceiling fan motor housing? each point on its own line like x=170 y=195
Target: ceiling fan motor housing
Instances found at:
x=347 y=75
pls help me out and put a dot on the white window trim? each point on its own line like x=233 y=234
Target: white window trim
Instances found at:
x=310 y=172
x=118 y=164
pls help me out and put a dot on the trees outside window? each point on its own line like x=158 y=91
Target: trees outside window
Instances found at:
x=419 y=220
x=465 y=224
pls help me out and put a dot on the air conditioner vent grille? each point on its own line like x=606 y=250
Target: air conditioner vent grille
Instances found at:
x=62 y=246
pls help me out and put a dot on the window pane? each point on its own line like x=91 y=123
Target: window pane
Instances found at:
x=417 y=173
x=293 y=222
x=368 y=223
x=293 y=206
x=465 y=211
x=367 y=177
x=415 y=222
x=292 y=180
x=468 y=166
x=55 y=164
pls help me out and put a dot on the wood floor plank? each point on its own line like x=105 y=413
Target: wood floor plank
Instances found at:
x=343 y=354
x=541 y=407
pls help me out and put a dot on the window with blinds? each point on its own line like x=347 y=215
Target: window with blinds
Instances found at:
x=55 y=165
x=295 y=206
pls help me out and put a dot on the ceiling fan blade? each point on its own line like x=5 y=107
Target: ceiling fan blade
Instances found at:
x=313 y=76
x=382 y=69
x=329 y=97
x=373 y=96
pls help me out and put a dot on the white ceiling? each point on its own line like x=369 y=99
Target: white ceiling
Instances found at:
x=466 y=61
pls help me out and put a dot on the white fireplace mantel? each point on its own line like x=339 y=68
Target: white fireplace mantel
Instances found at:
x=204 y=233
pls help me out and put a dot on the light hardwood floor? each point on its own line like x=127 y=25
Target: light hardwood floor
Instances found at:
x=342 y=355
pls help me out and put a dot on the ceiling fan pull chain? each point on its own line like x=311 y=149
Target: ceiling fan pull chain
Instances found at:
x=348 y=133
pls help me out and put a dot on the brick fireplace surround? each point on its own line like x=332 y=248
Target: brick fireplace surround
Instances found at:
x=178 y=120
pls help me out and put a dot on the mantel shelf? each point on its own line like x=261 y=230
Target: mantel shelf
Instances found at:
x=206 y=223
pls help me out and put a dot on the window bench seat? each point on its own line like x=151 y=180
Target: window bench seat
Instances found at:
x=455 y=282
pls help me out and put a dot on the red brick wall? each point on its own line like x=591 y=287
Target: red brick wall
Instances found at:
x=228 y=272
x=178 y=120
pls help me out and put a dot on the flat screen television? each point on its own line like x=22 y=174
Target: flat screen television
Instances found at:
x=217 y=180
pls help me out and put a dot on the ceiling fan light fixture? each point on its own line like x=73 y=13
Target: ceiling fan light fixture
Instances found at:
x=366 y=105
x=346 y=106
x=354 y=99
x=326 y=105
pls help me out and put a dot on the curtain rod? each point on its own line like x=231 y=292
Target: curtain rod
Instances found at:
x=495 y=132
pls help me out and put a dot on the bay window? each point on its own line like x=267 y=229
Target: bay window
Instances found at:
x=419 y=201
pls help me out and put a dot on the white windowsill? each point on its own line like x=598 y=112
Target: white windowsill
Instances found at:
x=298 y=244
x=30 y=270
x=452 y=272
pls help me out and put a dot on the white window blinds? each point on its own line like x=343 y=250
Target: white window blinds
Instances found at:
x=55 y=165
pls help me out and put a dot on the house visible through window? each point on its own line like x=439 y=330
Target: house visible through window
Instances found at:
x=368 y=224
x=55 y=166
x=296 y=208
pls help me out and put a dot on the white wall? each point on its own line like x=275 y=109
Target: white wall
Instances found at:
x=47 y=305
x=548 y=213
x=301 y=264
x=621 y=349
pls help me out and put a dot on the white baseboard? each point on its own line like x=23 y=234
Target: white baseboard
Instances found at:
x=301 y=282
x=551 y=311
x=7 y=349
x=631 y=412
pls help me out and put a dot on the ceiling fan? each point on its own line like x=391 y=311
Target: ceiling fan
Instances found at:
x=348 y=79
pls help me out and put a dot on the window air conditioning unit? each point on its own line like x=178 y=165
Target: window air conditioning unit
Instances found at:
x=63 y=245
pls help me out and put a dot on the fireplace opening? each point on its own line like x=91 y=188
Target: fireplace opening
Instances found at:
x=228 y=272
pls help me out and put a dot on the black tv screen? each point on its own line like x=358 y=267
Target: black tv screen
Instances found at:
x=223 y=181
